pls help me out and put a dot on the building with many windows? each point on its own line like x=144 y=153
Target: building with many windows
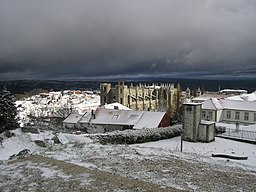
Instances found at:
x=230 y=111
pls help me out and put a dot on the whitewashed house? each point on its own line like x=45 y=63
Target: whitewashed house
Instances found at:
x=212 y=110
x=230 y=111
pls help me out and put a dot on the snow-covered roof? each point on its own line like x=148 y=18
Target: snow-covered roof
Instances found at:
x=149 y=119
x=207 y=96
x=86 y=118
x=116 y=117
x=249 y=97
x=244 y=97
x=73 y=118
x=235 y=98
x=239 y=105
x=137 y=119
x=116 y=106
x=233 y=91
x=217 y=104
x=212 y=104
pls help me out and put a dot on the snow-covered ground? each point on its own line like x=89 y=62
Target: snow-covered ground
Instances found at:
x=160 y=162
x=155 y=162
x=241 y=126
x=204 y=150
x=22 y=141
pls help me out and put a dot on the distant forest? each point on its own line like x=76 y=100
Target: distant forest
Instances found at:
x=25 y=86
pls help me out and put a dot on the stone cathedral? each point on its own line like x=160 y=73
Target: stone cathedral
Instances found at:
x=162 y=97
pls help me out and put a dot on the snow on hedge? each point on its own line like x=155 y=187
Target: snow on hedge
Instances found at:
x=139 y=136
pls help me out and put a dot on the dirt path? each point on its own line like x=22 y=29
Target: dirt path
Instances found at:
x=70 y=177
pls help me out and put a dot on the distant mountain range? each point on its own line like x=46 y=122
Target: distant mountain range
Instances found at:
x=21 y=86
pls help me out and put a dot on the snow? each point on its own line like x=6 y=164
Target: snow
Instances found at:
x=62 y=138
x=22 y=141
x=149 y=120
x=86 y=118
x=236 y=104
x=232 y=91
x=116 y=105
x=241 y=126
x=239 y=105
x=235 y=98
x=220 y=145
x=78 y=149
x=208 y=104
x=82 y=151
x=42 y=136
x=249 y=97
x=51 y=173
x=14 y=145
x=73 y=118
x=217 y=103
x=244 y=97
x=117 y=117
x=71 y=138
x=56 y=104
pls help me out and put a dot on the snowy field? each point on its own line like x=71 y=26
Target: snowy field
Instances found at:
x=158 y=163
x=204 y=150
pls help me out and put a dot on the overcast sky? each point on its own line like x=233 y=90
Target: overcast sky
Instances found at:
x=83 y=38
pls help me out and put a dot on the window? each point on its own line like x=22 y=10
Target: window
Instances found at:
x=237 y=115
x=246 y=116
x=121 y=100
x=121 y=91
x=133 y=116
x=254 y=117
x=115 y=117
x=209 y=116
x=228 y=114
x=203 y=114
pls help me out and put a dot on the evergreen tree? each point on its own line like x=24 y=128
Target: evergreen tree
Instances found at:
x=8 y=111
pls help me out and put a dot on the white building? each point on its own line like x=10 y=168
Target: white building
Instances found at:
x=233 y=91
x=230 y=111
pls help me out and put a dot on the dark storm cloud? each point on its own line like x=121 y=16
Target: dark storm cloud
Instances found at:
x=63 y=38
